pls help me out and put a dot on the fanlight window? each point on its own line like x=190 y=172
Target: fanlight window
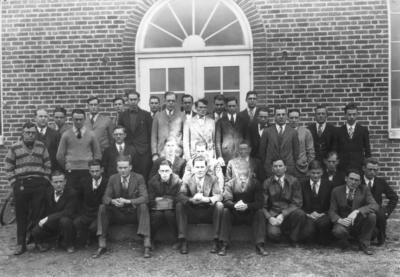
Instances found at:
x=194 y=24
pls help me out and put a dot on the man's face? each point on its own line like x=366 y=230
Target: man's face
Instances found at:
x=170 y=102
x=42 y=118
x=243 y=175
x=321 y=116
x=59 y=118
x=263 y=118
x=231 y=107
x=170 y=148
x=353 y=180
x=201 y=151
x=351 y=116
x=200 y=169
x=244 y=151
x=165 y=172
x=278 y=168
x=219 y=106
x=294 y=119
x=78 y=120
x=29 y=134
x=133 y=101
x=201 y=109
x=280 y=117
x=58 y=182
x=370 y=171
x=119 y=136
x=331 y=163
x=187 y=104
x=251 y=101
x=93 y=107
x=315 y=174
x=124 y=168
x=118 y=106
x=96 y=171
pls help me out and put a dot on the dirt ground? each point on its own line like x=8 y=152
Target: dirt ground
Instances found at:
x=125 y=259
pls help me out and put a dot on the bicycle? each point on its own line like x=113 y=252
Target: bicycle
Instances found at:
x=7 y=214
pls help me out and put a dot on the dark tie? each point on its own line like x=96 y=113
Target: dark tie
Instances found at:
x=121 y=151
x=116 y=119
x=251 y=114
x=350 y=197
x=58 y=192
x=280 y=137
x=92 y=120
x=125 y=183
x=331 y=172
x=189 y=112
x=232 y=120
x=314 y=189
x=370 y=185
x=320 y=130
x=96 y=184
x=79 y=134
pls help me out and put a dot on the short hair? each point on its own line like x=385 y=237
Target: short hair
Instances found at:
x=321 y=107
x=94 y=163
x=166 y=94
x=201 y=143
x=40 y=109
x=353 y=170
x=60 y=110
x=78 y=111
x=118 y=98
x=131 y=91
x=331 y=154
x=245 y=142
x=57 y=173
x=250 y=93
x=294 y=111
x=124 y=158
x=230 y=98
x=278 y=158
x=264 y=109
x=92 y=98
x=119 y=127
x=315 y=165
x=199 y=159
x=370 y=161
x=170 y=138
x=29 y=125
x=186 y=96
x=350 y=106
x=202 y=100
x=165 y=162
x=219 y=97
x=280 y=107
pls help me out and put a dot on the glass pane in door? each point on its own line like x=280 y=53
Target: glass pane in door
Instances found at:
x=176 y=79
x=157 y=80
x=231 y=77
x=212 y=78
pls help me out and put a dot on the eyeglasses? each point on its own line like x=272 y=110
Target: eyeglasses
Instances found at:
x=118 y=135
x=30 y=133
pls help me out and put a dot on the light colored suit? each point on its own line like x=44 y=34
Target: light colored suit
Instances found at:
x=210 y=189
x=165 y=126
x=213 y=168
x=103 y=128
x=194 y=132
x=306 y=152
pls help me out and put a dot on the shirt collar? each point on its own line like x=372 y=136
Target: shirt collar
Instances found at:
x=94 y=182
x=94 y=116
x=282 y=177
x=350 y=126
x=367 y=181
x=83 y=129
x=134 y=110
x=312 y=183
x=118 y=145
x=323 y=126
x=253 y=110
x=347 y=190
x=127 y=178
x=278 y=126
x=234 y=116
x=169 y=112
x=44 y=129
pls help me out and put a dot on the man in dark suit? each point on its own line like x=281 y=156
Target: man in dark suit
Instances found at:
x=219 y=108
x=378 y=186
x=90 y=193
x=331 y=172
x=48 y=136
x=353 y=141
x=352 y=212
x=230 y=131
x=124 y=202
x=60 y=205
x=111 y=153
x=199 y=202
x=280 y=140
x=138 y=123
x=324 y=134
x=178 y=164
x=60 y=116
x=316 y=194
x=250 y=113
x=187 y=105
x=256 y=131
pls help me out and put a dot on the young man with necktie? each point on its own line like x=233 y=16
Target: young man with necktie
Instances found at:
x=119 y=107
x=250 y=113
x=256 y=131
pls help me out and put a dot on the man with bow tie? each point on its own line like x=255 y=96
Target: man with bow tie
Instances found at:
x=256 y=131
x=90 y=193
x=187 y=105
x=331 y=172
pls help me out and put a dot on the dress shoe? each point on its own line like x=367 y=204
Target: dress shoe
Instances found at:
x=71 y=249
x=344 y=243
x=184 y=247
x=42 y=247
x=100 y=251
x=177 y=245
x=364 y=248
x=20 y=250
x=223 y=250
x=293 y=243
x=215 y=247
x=146 y=252
x=260 y=250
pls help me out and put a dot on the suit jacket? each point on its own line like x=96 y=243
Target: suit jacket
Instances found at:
x=91 y=202
x=324 y=193
x=306 y=150
x=337 y=180
x=165 y=126
x=156 y=189
x=289 y=150
x=178 y=167
x=255 y=141
x=212 y=116
x=64 y=128
x=213 y=168
x=109 y=159
x=228 y=137
x=352 y=152
x=379 y=187
x=210 y=189
x=362 y=201
x=256 y=169
x=245 y=115
x=252 y=194
x=193 y=133
x=139 y=135
x=192 y=113
x=64 y=207
x=331 y=139
x=103 y=128
x=51 y=140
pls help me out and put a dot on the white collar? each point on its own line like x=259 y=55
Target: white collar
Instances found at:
x=234 y=116
x=127 y=178
x=253 y=110
x=278 y=127
x=282 y=177
x=169 y=112
x=44 y=129
x=83 y=129
x=323 y=126
x=118 y=145
x=312 y=183
x=351 y=126
x=347 y=190
x=94 y=183
x=367 y=181
x=94 y=116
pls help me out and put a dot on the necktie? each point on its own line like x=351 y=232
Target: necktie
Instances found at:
x=351 y=131
x=42 y=131
x=314 y=189
x=331 y=172
x=79 y=134
x=124 y=183
x=199 y=188
x=243 y=186
x=92 y=120
x=116 y=119
x=58 y=192
x=320 y=130
x=251 y=114
x=96 y=186
x=121 y=151
x=232 y=120
x=370 y=185
x=350 y=197
x=281 y=182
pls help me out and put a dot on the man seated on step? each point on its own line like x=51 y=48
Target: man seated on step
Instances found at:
x=124 y=202
x=199 y=202
x=60 y=205
x=243 y=202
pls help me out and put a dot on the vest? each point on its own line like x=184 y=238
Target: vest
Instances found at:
x=316 y=203
x=125 y=195
x=321 y=146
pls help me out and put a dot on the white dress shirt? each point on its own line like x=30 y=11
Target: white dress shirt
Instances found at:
x=278 y=128
x=94 y=183
x=57 y=197
x=322 y=127
x=317 y=186
x=200 y=184
x=44 y=130
x=94 y=117
x=83 y=129
x=234 y=117
x=123 y=146
x=367 y=181
x=281 y=180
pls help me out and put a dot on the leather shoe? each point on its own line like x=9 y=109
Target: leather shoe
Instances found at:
x=146 y=252
x=294 y=244
x=344 y=243
x=71 y=249
x=20 y=250
x=215 y=247
x=364 y=249
x=42 y=247
x=100 y=251
x=261 y=250
x=223 y=250
x=177 y=245
x=184 y=247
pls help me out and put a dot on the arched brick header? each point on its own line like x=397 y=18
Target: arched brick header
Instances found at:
x=257 y=29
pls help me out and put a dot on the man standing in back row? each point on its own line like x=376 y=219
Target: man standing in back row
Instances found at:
x=250 y=113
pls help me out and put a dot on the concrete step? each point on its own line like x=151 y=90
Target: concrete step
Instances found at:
x=202 y=232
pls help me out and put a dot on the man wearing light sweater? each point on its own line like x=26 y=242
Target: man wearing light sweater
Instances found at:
x=77 y=147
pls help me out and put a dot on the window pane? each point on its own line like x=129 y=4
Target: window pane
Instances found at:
x=212 y=78
x=231 y=77
x=176 y=79
x=395 y=23
x=232 y=35
x=156 y=38
x=395 y=88
x=395 y=114
x=395 y=56
x=222 y=17
x=157 y=80
x=210 y=97
x=394 y=7
x=183 y=10
x=166 y=20
x=203 y=11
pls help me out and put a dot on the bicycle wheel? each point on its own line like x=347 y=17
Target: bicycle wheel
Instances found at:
x=7 y=214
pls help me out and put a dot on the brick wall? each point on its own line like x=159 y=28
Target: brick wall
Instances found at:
x=60 y=52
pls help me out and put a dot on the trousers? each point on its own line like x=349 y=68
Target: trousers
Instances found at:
x=362 y=228
x=292 y=224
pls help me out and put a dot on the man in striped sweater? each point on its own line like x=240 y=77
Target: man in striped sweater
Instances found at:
x=28 y=168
